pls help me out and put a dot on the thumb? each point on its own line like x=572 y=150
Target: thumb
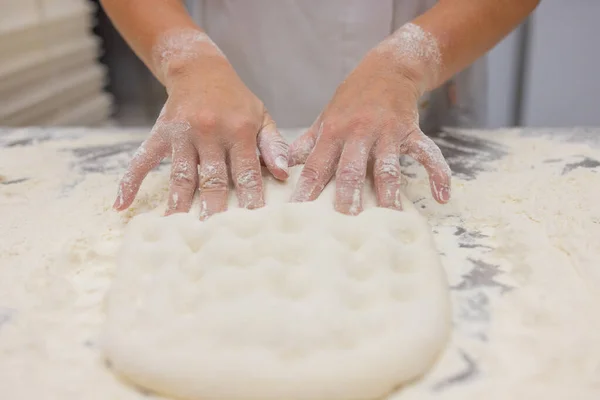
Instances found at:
x=301 y=148
x=273 y=148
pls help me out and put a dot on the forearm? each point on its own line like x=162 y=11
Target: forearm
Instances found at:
x=151 y=26
x=454 y=33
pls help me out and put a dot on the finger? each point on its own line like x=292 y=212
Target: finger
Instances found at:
x=213 y=182
x=273 y=149
x=184 y=178
x=301 y=148
x=318 y=170
x=427 y=153
x=147 y=157
x=350 y=177
x=387 y=175
x=246 y=175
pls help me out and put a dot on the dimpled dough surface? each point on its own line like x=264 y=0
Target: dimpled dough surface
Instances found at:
x=288 y=302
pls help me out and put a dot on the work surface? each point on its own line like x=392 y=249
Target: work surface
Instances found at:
x=520 y=243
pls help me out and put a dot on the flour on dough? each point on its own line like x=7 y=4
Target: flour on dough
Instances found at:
x=291 y=301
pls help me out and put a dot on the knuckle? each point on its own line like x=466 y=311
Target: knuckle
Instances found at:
x=342 y=126
x=380 y=121
x=310 y=174
x=248 y=179
x=182 y=174
x=213 y=183
x=206 y=120
x=181 y=180
x=212 y=178
x=349 y=174
x=176 y=129
x=241 y=124
x=387 y=169
x=332 y=127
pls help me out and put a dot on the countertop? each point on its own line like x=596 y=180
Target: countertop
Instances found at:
x=522 y=199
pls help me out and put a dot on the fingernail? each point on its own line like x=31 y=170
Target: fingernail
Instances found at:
x=442 y=192
x=203 y=210
x=118 y=202
x=282 y=163
x=445 y=193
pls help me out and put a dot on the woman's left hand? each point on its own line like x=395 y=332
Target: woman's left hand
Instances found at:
x=373 y=117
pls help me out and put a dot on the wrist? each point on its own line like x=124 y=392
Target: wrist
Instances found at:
x=177 y=51
x=415 y=54
x=180 y=69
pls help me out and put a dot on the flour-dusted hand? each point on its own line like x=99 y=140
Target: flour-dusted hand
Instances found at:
x=211 y=126
x=373 y=116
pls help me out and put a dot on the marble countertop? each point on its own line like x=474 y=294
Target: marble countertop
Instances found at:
x=477 y=282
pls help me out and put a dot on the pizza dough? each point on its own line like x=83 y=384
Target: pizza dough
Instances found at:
x=288 y=302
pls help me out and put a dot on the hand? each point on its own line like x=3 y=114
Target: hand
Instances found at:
x=210 y=119
x=373 y=116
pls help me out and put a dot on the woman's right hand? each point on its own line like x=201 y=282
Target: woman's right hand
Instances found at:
x=211 y=120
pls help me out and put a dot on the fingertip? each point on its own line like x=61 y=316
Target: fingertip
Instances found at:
x=306 y=190
x=278 y=167
x=121 y=201
x=121 y=206
x=281 y=168
x=349 y=197
x=281 y=176
x=174 y=206
x=440 y=191
x=117 y=204
x=344 y=209
x=390 y=197
x=212 y=203
x=301 y=193
x=274 y=151
x=445 y=194
x=427 y=153
x=281 y=162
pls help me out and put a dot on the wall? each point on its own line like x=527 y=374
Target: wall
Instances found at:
x=503 y=67
x=563 y=72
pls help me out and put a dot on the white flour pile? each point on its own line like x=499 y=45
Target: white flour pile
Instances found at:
x=526 y=307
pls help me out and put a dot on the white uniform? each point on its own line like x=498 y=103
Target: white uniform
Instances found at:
x=294 y=53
